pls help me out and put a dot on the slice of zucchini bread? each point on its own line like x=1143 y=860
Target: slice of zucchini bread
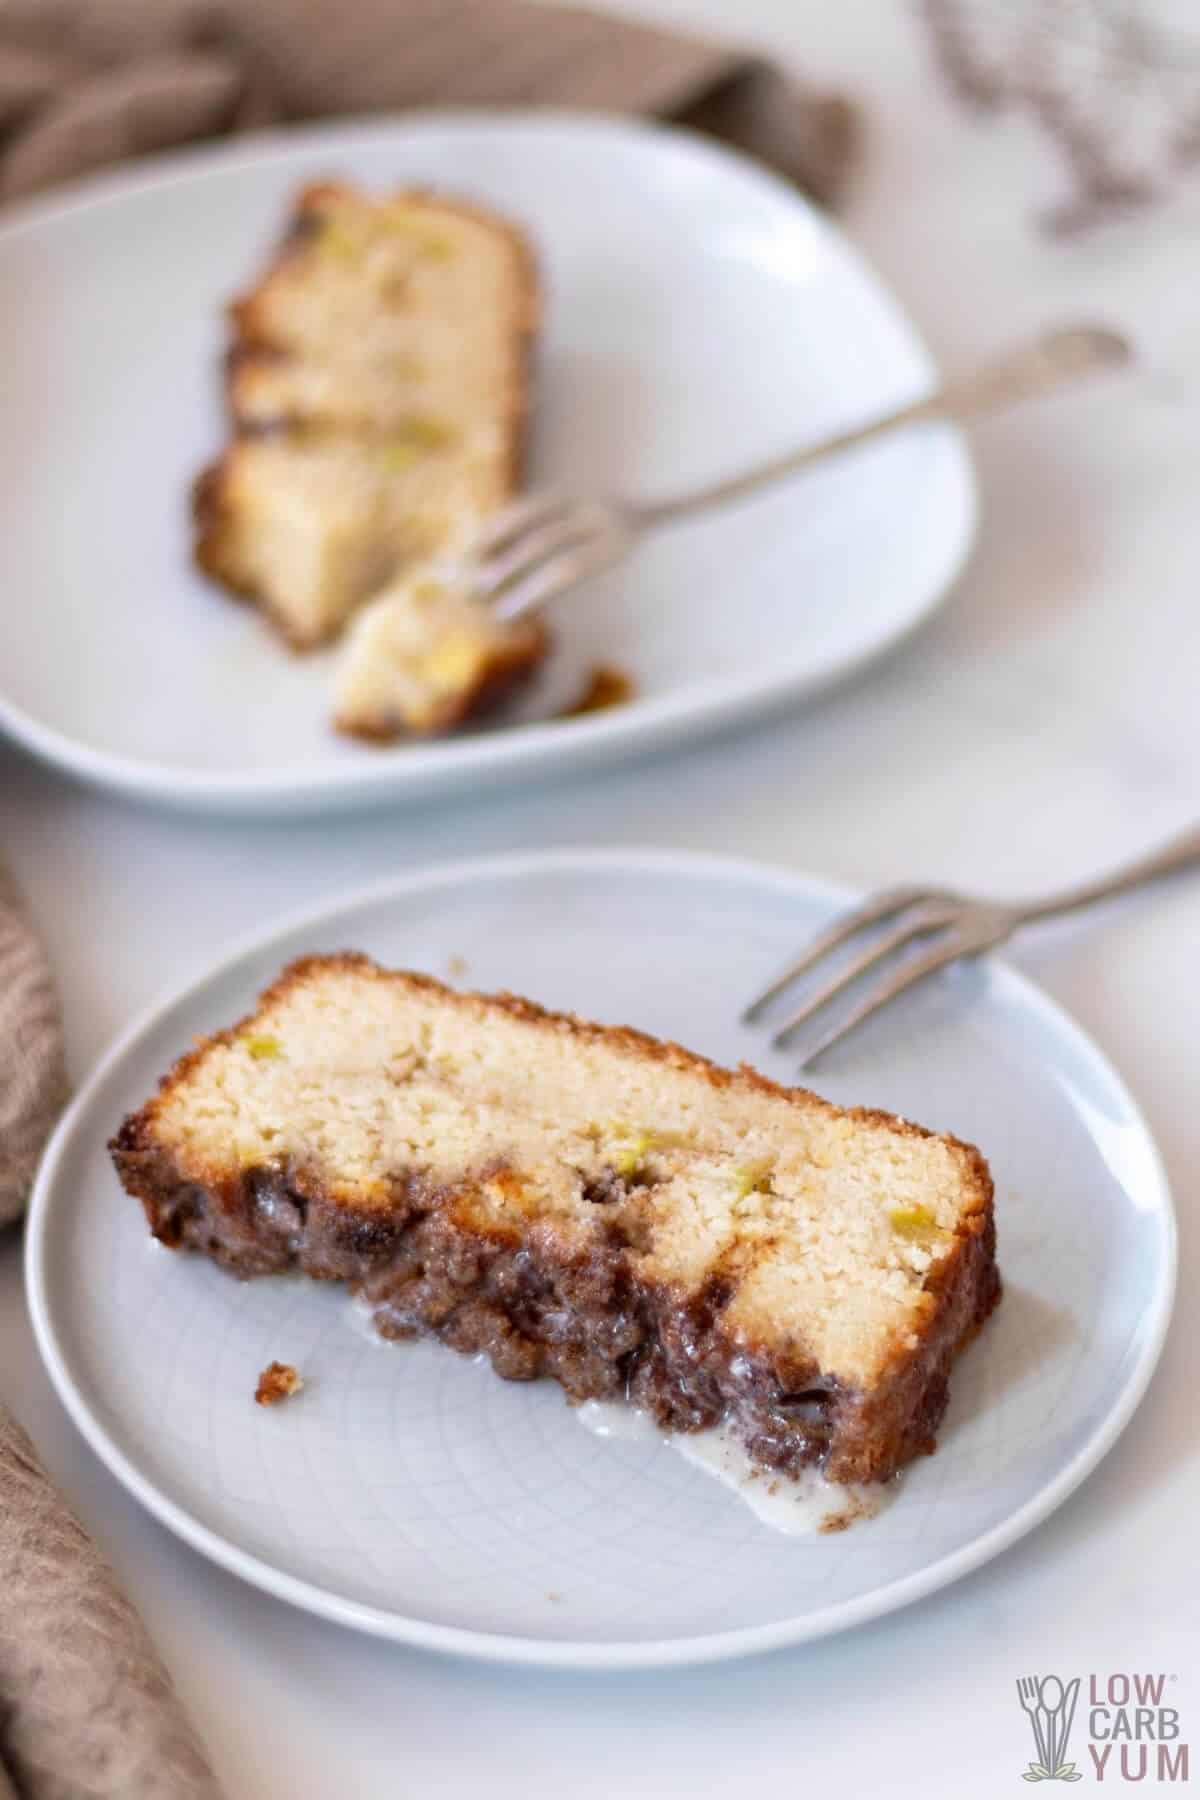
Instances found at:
x=378 y=387
x=582 y=1202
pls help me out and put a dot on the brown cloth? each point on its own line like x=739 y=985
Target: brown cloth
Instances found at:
x=86 y=83
x=33 y=1076
x=87 y=1711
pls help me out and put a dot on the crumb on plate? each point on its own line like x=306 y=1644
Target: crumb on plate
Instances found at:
x=278 y=1382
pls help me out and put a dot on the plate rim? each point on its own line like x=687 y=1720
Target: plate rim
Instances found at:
x=500 y=1647
x=397 y=774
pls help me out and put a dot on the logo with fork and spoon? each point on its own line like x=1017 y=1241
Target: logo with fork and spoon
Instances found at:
x=1051 y=1709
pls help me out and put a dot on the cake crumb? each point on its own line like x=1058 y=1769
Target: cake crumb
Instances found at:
x=277 y=1383
x=456 y=967
x=605 y=686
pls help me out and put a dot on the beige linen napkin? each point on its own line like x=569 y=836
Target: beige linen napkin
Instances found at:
x=87 y=1711
x=33 y=1076
x=85 y=83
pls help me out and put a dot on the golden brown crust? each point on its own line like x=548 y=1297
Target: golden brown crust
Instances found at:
x=214 y=548
x=898 y=1419
x=212 y=519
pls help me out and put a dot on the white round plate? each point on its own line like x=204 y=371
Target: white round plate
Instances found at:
x=699 y=314
x=410 y=1492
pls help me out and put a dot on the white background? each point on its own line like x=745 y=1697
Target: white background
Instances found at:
x=1044 y=725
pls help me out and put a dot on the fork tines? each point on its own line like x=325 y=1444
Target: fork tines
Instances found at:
x=889 y=925
x=539 y=547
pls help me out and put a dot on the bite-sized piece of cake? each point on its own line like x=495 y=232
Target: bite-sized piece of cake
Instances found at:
x=582 y=1202
x=309 y=530
x=379 y=384
x=425 y=655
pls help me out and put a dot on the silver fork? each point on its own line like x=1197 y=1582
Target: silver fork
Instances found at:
x=535 y=550
x=877 y=933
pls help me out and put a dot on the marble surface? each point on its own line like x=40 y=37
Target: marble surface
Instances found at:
x=1043 y=726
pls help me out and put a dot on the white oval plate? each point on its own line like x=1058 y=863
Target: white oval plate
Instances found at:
x=411 y=1493
x=699 y=314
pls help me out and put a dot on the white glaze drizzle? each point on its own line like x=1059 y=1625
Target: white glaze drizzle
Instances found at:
x=796 y=1505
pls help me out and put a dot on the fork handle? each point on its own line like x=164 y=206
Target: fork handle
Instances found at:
x=1180 y=853
x=1049 y=361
